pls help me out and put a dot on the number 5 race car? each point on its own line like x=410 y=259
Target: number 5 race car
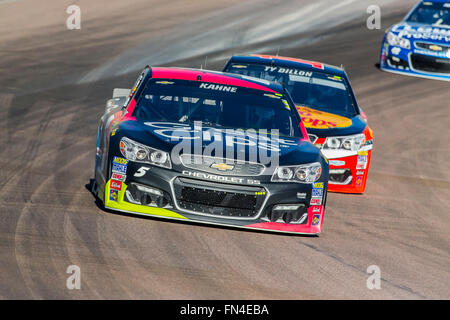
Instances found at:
x=420 y=45
x=328 y=108
x=210 y=147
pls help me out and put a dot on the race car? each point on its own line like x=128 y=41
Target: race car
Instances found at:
x=420 y=44
x=208 y=147
x=328 y=108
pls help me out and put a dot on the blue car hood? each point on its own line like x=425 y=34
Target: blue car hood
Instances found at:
x=167 y=136
x=418 y=31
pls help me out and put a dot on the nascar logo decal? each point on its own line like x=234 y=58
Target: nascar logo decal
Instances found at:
x=322 y=120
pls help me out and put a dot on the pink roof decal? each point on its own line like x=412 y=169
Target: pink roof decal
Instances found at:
x=317 y=65
x=211 y=77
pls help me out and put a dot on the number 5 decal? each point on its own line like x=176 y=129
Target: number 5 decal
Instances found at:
x=141 y=171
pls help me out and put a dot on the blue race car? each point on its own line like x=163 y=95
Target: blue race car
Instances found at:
x=420 y=45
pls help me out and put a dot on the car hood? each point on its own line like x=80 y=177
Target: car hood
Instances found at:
x=324 y=124
x=418 y=31
x=177 y=139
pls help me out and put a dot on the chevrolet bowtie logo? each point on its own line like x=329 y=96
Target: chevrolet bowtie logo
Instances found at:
x=222 y=166
x=435 y=47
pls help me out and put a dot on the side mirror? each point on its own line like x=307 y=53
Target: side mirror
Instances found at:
x=119 y=93
x=118 y=99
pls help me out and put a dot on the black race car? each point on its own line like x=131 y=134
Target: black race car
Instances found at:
x=210 y=147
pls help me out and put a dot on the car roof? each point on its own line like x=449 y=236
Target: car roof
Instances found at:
x=215 y=77
x=288 y=62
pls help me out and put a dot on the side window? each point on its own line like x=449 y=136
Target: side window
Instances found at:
x=136 y=85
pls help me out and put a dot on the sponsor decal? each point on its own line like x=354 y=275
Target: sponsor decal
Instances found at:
x=119 y=168
x=217 y=87
x=120 y=161
x=316 y=220
x=335 y=78
x=113 y=195
x=213 y=177
x=437 y=54
x=337 y=163
x=316 y=209
x=274 y=96
x=317 y=192
x=301 y=195
x=359 y=180
x=425 y=33
x=363 y=153
x=117 y=185
x=361 y=163
x=362 y=158
x=315 y=201
x=118 y=176
x=322 y=120
x=318 y=185
x=360 y=172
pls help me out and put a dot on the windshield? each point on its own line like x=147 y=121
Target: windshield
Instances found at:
x=216 y=105
x=317 y=90
x=433 y=13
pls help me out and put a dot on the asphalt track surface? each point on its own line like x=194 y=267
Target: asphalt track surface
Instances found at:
x=53 y=87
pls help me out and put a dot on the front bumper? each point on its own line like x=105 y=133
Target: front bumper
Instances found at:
x=177 y=195
x=349 y=174
x=348 y=170
x=417 y=62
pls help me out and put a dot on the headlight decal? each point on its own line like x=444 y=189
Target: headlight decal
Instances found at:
x=135 y=151
x=395 y=40
x=305 y=173
x=349 y=143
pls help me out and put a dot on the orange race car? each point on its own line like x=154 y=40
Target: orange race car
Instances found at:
x=328 y=108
